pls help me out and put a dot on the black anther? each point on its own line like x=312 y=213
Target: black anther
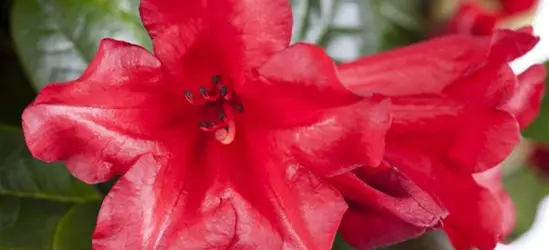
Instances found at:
x=239 y=108
x=223 y=90
x=203 y=91
x=221 y=116
x=189 y=94
x=202 y=124
x=216 y=79
x=211 y=124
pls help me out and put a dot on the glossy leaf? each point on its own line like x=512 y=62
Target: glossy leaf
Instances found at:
x=29 y=224
x=23 y=176
x=436 y=240
x=538 y=129
x=56 y=39
x=15 y=90
x=349 y=28
x=527 y=188
x=76 y=227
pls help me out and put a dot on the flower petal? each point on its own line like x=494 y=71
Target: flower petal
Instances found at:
x=472 y=18
x=426 y=67
x=525 y=103
x=222 y=202
x=294 y=86
x=431 y=66
x=229 y=34
x=341 y=140
x=385 y=207
x=472 y=139
x=512 y=7
x=492 y=180
x=99 y=123
x=475 y=218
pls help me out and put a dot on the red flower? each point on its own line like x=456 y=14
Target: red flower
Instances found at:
x=525 y=103
x=449 y=123
x=511 y=7
x=472 y=17
x=222 y=137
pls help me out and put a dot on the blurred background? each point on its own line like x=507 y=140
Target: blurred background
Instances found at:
x=43 y=41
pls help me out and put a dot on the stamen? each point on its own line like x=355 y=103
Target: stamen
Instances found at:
x=226 y=135
x=203 y=92
x=221 y=116
x=216 y=79
x=239 y=108
x=223 y=90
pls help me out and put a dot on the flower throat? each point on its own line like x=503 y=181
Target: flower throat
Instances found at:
x=218 y=103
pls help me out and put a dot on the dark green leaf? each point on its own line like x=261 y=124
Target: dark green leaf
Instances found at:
x=30 y=223
x=76 y=227
x=349 y=28
x=538 y=129
x=436 y=240
x=15 y=90
x=340 y=244
x=56 y=39
x=527 y=188
x=23 y=176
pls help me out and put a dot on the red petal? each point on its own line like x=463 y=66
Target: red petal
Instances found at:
x=247 y=197
x=218 y=37
x=492 y=180
x=472 y=18
x=385 y=207
x=512 y=7
x=526 y=102
x=508 y=45
x=431 y=66
x=294 y=85
x=427 y=67
x=475 y=218
x=471 y=139
x=341 y=140
x=99 y=123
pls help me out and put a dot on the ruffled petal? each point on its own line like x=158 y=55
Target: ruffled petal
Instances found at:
x=385 y=207
x=472 y=18
x=186 y=201
x=525 y=103
x=474 y=214
x=216 y=36
x=492 y=180
x=431 y=66
x=512 y=7
x=294 y=86
x=472 y=139
x=342 y=139
x=101 y=122
x=426 y=67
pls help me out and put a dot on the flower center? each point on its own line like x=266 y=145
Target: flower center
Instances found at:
x=218 y=104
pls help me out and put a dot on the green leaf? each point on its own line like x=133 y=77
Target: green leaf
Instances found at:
x=340 y=244
x=23 y=176
x=56 y=39
x=527 y=189
x=435 y=240
x=75 y=229
x=15 y=91
x=538 y=129
x=29 y=224
x=349 y=28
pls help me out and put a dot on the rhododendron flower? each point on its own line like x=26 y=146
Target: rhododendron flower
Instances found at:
x=221 y=137
x=450 y=122
x=473 y=17
x=512 y=7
